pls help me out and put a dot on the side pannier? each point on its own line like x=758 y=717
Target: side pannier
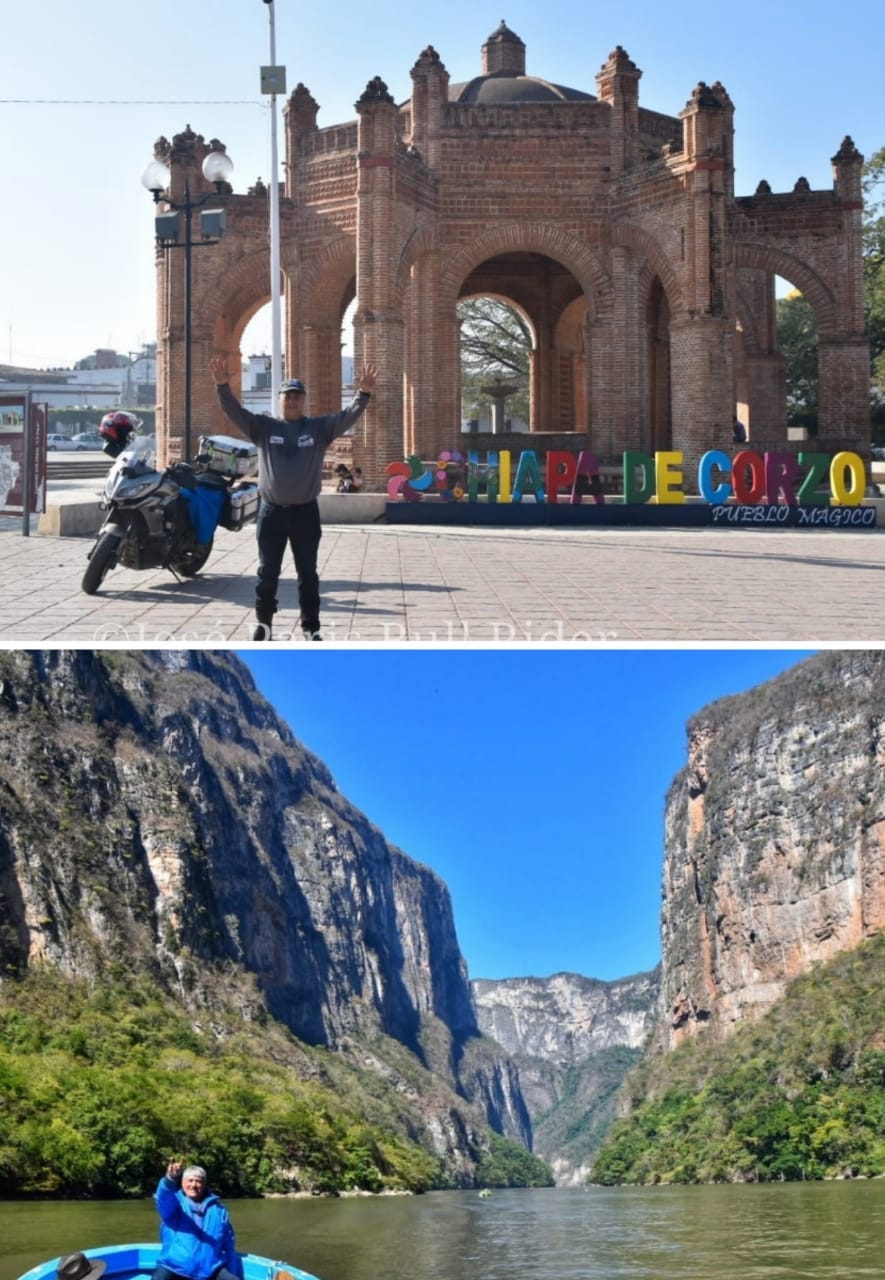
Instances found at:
x=240 y=507
x=227 y=456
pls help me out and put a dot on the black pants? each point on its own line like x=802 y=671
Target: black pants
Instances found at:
x=300 y=528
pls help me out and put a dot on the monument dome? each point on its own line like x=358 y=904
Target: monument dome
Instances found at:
x=504 y=78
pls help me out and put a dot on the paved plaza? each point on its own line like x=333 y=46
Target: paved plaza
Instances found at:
x=395 y=584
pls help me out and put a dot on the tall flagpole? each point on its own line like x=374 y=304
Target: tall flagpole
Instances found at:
x=275 y=79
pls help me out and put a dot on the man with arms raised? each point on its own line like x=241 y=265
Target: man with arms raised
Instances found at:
x=290 y=472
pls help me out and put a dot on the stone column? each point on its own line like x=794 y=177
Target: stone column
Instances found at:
x=766 y=390
x=844 y=392
x=543 y=401
x=430 y=92
x=432 y=417
x=300 y=121
x=844 y=355
x=702 y=381
x=300 y=118
x=703 y=337
x=847 y=174
x=319 y=368
x=378 y=323
x=618 y=84
x=705 y=122
x=600 y=383
x=624 y=407
x=433 y=370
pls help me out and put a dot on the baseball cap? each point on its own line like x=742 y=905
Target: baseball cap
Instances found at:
x=294 y=384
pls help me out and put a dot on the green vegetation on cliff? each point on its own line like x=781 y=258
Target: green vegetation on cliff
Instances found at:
x=578 y=1122
x=99 y=1086
x=799 y=1094
x=507 y=1164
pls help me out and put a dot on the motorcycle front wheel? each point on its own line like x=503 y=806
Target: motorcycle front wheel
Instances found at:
x=103 y=558
x=192 y=562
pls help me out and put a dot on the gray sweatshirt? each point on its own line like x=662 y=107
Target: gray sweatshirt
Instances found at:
x=290 y=454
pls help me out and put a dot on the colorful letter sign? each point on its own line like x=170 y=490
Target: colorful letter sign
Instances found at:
x=748 y=479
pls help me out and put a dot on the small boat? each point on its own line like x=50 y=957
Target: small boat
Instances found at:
x=137 y=1262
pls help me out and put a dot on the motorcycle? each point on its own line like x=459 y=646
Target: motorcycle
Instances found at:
x=167 y=519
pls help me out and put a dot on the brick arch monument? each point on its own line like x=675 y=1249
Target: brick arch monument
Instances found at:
x=615 y=228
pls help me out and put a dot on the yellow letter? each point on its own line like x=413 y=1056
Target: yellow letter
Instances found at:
x=844 y=496
x=668 y=480
x=504 y=476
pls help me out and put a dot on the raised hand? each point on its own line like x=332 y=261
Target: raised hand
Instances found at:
x=367 y=378
x=218 y=369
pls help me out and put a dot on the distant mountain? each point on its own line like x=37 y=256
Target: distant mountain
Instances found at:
x=573 y=1039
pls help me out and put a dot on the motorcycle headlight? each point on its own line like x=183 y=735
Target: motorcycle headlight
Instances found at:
x=135 y=488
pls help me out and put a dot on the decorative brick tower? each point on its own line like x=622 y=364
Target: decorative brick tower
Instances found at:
x=648 y=286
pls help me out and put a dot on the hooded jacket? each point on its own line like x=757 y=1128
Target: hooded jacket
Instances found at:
x=195 y=1240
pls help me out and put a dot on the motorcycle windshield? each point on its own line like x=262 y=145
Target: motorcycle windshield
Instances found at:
x=141 y=450
x=137 y=460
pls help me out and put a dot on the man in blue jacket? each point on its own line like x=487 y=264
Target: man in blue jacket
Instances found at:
x=196 y=1236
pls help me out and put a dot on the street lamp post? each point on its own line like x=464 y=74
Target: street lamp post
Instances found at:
x=273 y=81
x=217 y=169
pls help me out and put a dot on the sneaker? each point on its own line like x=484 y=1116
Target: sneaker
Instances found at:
x=311 y=635
x=262 y=631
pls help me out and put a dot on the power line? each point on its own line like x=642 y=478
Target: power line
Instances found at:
x=133 y=102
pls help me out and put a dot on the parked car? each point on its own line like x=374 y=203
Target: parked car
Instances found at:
x=88 y=440
x=878 y=452
x=59 y=442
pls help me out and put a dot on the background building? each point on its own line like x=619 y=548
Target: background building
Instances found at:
x=105 y=380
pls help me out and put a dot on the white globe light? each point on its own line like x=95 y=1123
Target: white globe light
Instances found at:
x=156 y=176
x=217 y=167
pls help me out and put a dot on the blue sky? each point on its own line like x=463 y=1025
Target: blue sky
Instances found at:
x=76 y=226
x=532 y=782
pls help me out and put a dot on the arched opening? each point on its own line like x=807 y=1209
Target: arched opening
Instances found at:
x=256 y=347
x=798 y=342
x=347 y=344
x=759 y=388
x=548 y=302
x=795 y=371
x=496 y=358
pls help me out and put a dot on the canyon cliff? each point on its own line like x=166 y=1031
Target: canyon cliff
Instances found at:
x=156 y=814
x=774 y=841
x=573 y=1040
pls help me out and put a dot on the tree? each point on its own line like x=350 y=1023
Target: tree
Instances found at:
x=873 y=182
x=495 y=345
x=797 y=339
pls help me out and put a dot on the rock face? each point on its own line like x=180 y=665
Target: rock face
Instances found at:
x=154 y=811
x=775 y=840
x=573 y=1039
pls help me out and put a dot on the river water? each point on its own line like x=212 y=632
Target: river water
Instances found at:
x=784 y=1232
